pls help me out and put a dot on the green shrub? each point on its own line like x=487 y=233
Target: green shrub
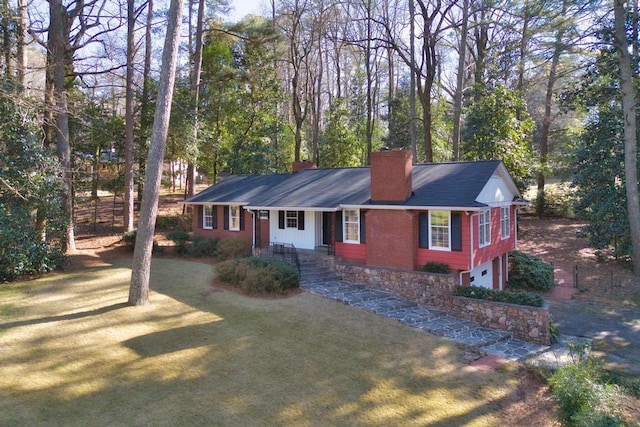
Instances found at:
x=173 y=222
x=233 y=248
x=436 y=267
x=180 y=238
x=528 y=271
x=204 y=246
x=559 y=200
x=554 y=333
x=584 y=397
x=258 y=275
x=129 y=239
x=630 y=384
x=520 y=298
x=28 y=257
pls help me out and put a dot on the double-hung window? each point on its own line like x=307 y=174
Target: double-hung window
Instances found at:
x=439 y=223
x=292 y=219
x=234 y=218
x=484 y=228
x=351 y=219
x=505 y=222
x=207 y=217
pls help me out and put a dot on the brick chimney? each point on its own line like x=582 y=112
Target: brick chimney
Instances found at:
x=298 y=166
x=391 y=180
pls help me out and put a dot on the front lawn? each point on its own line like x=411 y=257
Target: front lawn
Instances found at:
x=72 y=353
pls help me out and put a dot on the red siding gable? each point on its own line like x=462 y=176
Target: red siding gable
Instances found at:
x=498 y=245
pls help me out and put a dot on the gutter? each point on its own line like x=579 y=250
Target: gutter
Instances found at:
x=290 y=208
x=208 y=202
x=418 y=208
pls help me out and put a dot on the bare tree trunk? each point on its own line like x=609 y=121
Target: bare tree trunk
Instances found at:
x=21 y=59
x=547 y=119
x=369 y=73
x=142 y=161
x=276 y=103
x=139 y=289
x=6 y=36
x=630 y=130
x=129 y=142
x=58 y=32
x=412 y=89
x=457 y=98
x=195 y=87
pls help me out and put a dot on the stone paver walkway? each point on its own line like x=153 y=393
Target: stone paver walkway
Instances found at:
x=437 y=322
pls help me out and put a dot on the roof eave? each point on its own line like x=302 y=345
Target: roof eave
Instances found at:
x=414 y=207
x=292 y=208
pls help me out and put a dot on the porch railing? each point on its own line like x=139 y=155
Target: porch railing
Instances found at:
x=284 y=251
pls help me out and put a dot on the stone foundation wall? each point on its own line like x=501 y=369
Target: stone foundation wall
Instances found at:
x=436 y=290
x=424 y=288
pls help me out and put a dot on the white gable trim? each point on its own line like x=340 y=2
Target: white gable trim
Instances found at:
x=499 y=190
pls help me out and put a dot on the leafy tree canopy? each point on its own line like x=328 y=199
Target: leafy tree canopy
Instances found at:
x=498 y=127
x=599 y=172
x=30 y=194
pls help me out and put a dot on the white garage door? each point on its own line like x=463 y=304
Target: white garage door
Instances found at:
x=482 y=276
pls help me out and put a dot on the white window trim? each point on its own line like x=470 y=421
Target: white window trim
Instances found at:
x=440 y=248
x=482 y=238
x=344 y=225
x=293 y=218
x=205 y=216
x=505 y=220
x=233 y=227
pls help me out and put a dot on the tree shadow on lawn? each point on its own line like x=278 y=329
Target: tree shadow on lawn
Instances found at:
x=64 y=317
x=234 y=360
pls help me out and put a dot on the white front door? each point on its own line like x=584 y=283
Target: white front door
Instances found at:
x=482 y=275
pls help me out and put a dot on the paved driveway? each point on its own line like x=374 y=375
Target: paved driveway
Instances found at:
x=615 y=332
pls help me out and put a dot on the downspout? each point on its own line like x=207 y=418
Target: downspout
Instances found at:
x=253 y=231
x=472 y=252
x=500 y=278
x=515 y=228
x=471 y=248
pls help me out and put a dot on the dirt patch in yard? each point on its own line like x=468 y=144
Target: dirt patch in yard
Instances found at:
x=594 y=275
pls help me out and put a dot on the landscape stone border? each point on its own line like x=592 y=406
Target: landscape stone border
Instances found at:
x=522 y=322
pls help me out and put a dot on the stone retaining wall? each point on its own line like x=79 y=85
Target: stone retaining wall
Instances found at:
x=424 y=288
x=436 y=290
x=521 y=321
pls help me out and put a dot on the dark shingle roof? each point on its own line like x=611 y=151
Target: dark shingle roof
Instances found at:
x=240 y=189
x=320 y=188
x=434 y=184
x=450 y=184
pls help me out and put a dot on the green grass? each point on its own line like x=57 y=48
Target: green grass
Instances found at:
x=73 y=353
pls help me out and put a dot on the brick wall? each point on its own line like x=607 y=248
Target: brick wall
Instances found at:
x=219 y=231
x=522 y=322
x=391 y=239
x=391 y=179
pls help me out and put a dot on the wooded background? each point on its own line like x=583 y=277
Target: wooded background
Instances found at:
x=538 y=84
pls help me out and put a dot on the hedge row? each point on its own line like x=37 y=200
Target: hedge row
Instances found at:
x=258 y=275
x=529 y=271
x=520 y=298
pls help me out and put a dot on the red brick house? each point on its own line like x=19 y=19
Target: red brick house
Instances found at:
x=390 y=214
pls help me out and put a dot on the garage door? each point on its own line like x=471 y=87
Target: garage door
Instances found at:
x=482 y=276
